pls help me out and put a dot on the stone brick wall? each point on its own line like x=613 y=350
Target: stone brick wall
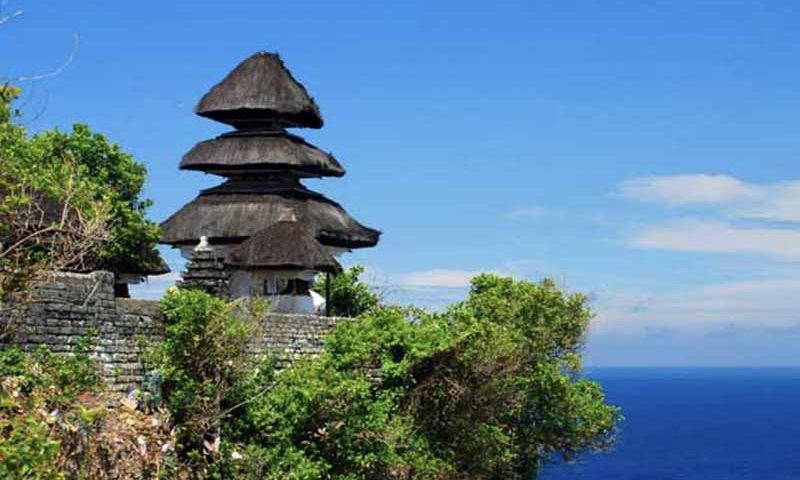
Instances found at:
x=68 y=306
x=288 y=337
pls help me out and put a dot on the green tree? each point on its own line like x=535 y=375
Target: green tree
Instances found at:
x=52 y=215
x=203 y=358
x=132 y=246
x=489 y=389
x=349 y=296
x=100 y=173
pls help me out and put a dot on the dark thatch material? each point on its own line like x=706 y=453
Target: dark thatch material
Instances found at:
x=280 y=185
x=260 y=91
x=159 y=268
x=284 y=246
x=234 y=217
x=261 y=152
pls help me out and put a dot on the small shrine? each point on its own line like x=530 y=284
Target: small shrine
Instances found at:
x=271 y=233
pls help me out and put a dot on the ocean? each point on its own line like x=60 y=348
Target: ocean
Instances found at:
x=697 y=424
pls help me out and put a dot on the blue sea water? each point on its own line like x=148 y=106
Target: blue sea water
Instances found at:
x=697 y=424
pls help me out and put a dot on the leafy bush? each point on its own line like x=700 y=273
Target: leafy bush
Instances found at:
x=52 y=216
x=349 y=296
x=202 y=360
x=41 y=370
x=56 y=422
x=487 y=390
x=115 y=173
x=33 y=386
x=68 y=200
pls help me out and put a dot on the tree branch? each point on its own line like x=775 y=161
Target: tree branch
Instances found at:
x=10 y=16
x=260 y=393
x=61 y=68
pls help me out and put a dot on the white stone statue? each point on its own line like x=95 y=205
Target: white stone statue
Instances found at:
x=203 y=246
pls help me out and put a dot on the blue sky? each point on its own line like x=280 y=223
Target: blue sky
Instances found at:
x=642 y=152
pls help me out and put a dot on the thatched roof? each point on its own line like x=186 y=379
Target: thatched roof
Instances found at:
x=227 y=218
x=258 y=152
x=260 y=91
x=283 y=185
x=285 y=245
x=160 y=267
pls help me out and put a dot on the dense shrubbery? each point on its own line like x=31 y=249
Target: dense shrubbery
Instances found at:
x=487 y=390
x=33 y=386
x=57 y=422
x=349 y=296
x=118 y=178
x=203 y=358
x=51 y=216
x=68 y=200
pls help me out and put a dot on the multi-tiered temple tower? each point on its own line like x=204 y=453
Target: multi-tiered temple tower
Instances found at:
x=272 y=233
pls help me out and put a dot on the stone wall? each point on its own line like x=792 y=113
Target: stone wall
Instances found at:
x=288 y=337
x=68 y=306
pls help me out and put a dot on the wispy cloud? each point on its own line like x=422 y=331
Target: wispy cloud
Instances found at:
x=767 y=305
x=720 y=237
x=779 y=202
x=740 y=219
x=458 y=278
x=439 y=287
x=690 y=189
x=430 y=298
x=153 y=288
x=737 y=218
x=437 y=278
x=735 y=198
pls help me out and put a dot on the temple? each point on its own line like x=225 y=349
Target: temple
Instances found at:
x=268 y=233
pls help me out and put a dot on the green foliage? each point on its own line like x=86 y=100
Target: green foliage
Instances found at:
x=349 y=296
x=26 y=447
x=29 y=163
x=80 y=169
x=39 y=390
x=30 y=190
x=56 y=421
x=7 y=95
x=201 y=361
x=487 y=390
x=115 y=173
x=27 y=450
x=41 y=370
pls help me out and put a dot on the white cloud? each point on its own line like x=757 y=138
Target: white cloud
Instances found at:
x=429 y=298
x=780 y=202
x=776 y=201
x=757 y=304
x=720 y=237
x=690 y=189
x=733 y=200
x=437 y=278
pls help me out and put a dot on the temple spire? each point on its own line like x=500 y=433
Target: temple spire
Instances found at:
x=272 y=234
